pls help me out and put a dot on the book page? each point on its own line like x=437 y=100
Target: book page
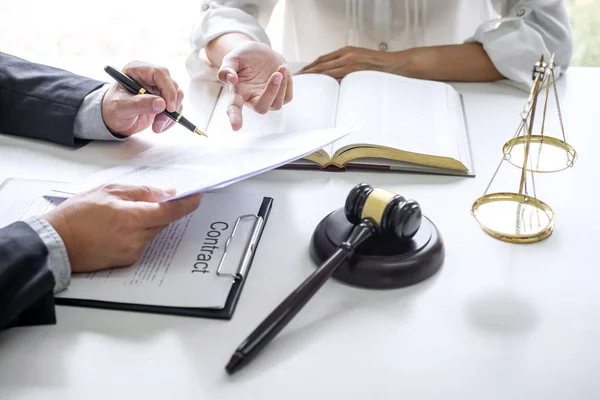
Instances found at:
x=313 y=107
x=398 y=112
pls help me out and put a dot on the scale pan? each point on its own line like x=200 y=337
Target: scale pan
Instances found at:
x=546 y=153
x=513 y=218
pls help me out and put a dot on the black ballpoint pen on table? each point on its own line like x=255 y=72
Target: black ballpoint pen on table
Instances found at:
x=136 y=88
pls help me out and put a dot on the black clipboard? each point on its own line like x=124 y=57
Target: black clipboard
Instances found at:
x=240 y=276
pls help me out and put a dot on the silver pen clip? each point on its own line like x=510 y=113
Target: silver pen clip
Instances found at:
x=249 y=249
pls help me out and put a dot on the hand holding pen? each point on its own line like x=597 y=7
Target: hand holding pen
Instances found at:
x=157 y=101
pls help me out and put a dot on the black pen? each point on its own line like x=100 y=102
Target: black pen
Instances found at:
x=135 y=88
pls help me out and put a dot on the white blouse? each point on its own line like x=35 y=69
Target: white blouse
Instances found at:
x=514 y=33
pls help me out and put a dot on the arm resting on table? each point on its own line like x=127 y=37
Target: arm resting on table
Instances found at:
x=41 y=102
x=26 y=282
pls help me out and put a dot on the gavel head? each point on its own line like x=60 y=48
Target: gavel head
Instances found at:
x=392 y=213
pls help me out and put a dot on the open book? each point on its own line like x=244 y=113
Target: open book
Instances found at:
x=407 y=124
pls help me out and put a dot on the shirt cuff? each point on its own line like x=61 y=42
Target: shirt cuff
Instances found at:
x=58 y=259
x=89 y=124
x=515 y=42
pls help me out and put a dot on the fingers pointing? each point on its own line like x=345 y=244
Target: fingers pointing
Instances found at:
x=234 y=110
x=262 y=103
x=280 y=97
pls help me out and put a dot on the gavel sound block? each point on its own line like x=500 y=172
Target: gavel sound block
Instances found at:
x=406 y=249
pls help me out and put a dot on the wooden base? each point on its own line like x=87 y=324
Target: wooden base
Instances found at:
x=379 y=263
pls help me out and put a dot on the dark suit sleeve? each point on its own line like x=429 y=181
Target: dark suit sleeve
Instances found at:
x=39 y=101
x=26 y=283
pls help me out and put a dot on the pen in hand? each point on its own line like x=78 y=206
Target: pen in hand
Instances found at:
x=135 y=88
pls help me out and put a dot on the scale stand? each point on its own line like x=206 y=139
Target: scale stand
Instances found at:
x=522 y=217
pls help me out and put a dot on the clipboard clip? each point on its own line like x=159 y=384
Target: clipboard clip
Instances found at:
x=249 y=249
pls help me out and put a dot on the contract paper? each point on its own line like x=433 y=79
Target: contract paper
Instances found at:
x=211 y=164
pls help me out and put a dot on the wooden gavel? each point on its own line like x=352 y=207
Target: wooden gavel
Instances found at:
x=372 y=212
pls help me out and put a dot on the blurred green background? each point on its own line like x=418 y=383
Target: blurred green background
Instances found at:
x=585 y=18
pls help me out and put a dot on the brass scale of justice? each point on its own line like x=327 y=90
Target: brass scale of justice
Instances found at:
x=521 y=217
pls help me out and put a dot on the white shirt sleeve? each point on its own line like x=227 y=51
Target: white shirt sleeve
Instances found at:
x=58 y=259
x=89 y=124
x=218 y=17
x=527 y=30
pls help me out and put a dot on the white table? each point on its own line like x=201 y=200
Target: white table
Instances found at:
x=499 y=321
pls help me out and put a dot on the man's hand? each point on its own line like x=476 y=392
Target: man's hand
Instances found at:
x=258 y=76
x=110 y=226
x=126 y=114
x=349 y=59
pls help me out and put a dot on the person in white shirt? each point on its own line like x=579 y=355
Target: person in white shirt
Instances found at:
x=447 y=40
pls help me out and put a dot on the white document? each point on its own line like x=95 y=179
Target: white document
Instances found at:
x=22 y=198
x=217 y=162
x=179 y=266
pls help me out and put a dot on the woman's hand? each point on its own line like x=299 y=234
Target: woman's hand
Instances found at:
x=467 y=62
x=349 y=59
x=258 y=77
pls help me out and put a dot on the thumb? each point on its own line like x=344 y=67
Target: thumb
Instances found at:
x=228 y=71
x=143 y=193
x=227 y=75
x=162 y=214
x=142 y=104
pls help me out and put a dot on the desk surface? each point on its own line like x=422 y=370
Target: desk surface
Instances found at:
x=499 y=321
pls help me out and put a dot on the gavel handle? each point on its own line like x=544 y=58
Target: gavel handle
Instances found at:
x=281 y=315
